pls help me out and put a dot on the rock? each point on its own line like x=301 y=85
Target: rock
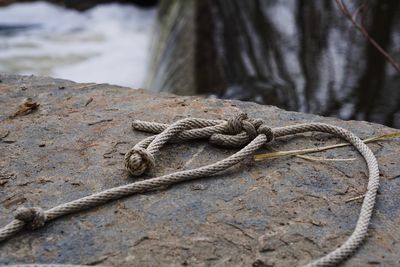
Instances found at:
x=280 y=212
x=171 y=14
x=298 y=55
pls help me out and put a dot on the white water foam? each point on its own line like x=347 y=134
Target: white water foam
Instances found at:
x=106 y=44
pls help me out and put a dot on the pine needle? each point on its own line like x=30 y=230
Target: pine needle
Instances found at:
x=300 y=152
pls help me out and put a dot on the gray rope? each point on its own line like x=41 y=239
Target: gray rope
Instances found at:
x=236 y=132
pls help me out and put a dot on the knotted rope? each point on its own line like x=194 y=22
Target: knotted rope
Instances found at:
x=236 y=132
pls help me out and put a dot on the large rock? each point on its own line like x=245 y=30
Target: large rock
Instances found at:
x=281 y=212
x=298 y=55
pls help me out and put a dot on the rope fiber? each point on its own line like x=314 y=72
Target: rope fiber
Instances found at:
x=239 y=131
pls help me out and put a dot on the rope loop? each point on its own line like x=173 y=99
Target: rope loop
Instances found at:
x=269 y=133
x=34 y=217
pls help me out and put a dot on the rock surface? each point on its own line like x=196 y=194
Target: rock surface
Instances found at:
x=280 y=212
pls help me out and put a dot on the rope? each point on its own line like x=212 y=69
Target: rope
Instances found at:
x=236 y=132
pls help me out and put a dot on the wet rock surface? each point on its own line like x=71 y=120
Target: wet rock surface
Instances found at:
x=280 y=212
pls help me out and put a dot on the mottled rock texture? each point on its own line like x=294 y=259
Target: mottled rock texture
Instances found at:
x=281 y=212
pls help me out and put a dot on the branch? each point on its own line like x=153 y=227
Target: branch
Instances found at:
x=361 y=28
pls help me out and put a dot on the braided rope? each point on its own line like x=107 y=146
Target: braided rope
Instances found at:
x=236 y=132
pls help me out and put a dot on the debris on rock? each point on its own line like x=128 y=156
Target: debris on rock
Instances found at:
x=28 y=106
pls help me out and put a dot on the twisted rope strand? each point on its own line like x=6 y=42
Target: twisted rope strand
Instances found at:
x=238 y=131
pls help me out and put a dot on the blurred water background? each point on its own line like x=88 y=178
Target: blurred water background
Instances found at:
x=106 y=44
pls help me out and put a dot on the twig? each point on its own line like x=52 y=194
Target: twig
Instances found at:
x=362 y=29
x=100 y=121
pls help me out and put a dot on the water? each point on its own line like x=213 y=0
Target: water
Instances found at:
x=106 y=44
x=298 y=55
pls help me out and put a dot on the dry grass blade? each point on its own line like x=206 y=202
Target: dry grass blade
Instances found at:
x=355 y=198
x=300 y=152
x=323 y=159
x=382 y=137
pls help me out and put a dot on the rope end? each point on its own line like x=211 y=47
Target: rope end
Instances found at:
x=138 y=160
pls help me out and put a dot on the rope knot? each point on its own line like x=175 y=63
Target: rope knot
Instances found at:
x=240 y=123
x=240 y=131
x=35 y=217
x=138 y=160
x=235 y=124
